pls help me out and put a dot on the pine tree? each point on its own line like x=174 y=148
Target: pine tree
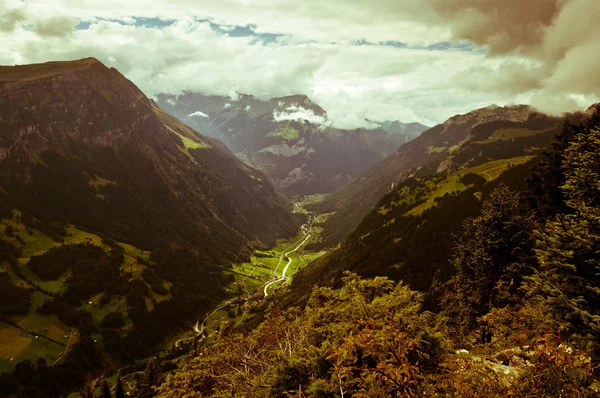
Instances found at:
x=491 y=258
x=568 y=247
x=149 y=380
x=105 y=390
x=546 y=196
x=119 y=390
x=87 y=391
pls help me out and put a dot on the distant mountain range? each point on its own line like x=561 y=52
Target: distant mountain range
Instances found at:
x=290 y=138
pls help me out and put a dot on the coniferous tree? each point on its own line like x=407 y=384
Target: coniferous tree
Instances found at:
x=491 y=258
x=119 y=390
x=546 y=197
x=150 y=379
x=87 y=391
x=568 y=247
x=105 y=390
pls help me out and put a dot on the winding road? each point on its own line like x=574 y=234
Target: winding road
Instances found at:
x=285 y=254
x=200 y=328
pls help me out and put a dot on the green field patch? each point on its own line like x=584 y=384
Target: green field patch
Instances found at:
x=311 y=199
x=5 y=267
x=33 y=321
x=443 y=186
x=36 y=242
x=286 y=133
x=188 y=143
x=453 y=183
x=321 y=218
x=13 y=344
x=492 y=170
x=76 y=236
x=20 y=345
x=135 y=252
x=116 y=304
x=436 y=149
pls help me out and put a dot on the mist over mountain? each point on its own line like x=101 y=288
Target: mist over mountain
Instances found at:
x=290 y=139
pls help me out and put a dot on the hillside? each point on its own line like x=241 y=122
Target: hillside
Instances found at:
x=516 y=292
x=104 y=156
x=117 y=222
x=463 y=141
x=288 y=138
x=408 y=236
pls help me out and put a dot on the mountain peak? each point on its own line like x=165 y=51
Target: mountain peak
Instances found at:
x=44 y=70
x=516 y=113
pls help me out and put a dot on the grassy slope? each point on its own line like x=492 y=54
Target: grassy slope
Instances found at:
x=20 y=345
x=439 y=186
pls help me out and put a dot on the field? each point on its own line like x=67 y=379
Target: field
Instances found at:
x=22 y=344
x=285 y=133
x=437 y=187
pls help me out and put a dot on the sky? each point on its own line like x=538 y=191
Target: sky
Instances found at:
x=409 y=60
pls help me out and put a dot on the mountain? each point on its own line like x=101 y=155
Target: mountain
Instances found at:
x=82 y=144
x=404 y=132
x=288 y=138
x=117 y=222
x=461 y=142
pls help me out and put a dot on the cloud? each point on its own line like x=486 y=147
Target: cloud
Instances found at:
x=557 y=43
x=372 y=60
x=56 y=27
x=294 y=112
x=10 y=17
x=502 y=25
x=195 y=114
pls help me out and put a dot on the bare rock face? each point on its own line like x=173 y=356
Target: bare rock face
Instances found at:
x=65 y=125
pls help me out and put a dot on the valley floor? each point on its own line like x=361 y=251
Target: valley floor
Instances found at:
x=257 y=281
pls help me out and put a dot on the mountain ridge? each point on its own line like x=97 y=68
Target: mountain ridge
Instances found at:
x=289 y=138
x=444 y=148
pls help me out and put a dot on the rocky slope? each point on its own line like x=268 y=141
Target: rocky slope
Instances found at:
x=461 y=142
x=289 y=139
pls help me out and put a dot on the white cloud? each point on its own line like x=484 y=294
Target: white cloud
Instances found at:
x=197 y=114
x=554 y=67
x=294 y=112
